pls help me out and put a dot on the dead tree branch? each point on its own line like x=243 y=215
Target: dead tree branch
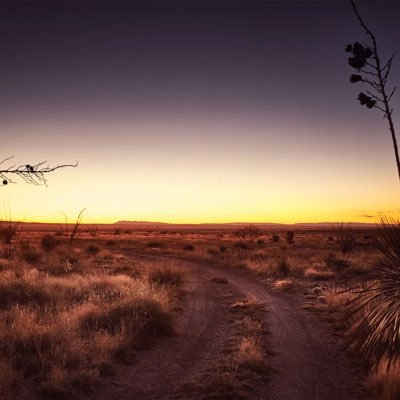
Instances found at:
x=34 y=174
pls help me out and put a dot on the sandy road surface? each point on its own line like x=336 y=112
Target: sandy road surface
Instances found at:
x=309 y=363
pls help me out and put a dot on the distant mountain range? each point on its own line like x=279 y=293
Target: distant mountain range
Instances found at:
x=264 y=225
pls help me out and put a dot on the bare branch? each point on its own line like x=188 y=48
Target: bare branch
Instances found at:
x=375 y=97
x=391 y=94
x=33 y=174
x=360 y=20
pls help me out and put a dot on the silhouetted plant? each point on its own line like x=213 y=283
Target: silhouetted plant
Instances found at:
x=275 y=238
x=375 y=312
x=290 y=236
x=332 y=261
x=71 y=235
x=222 y=248
x=92 y=249
x=10 y=232
x=283 y=267
x=345 y=237
x=34 y=174
x=250 y=232
x=92 y=230
x=365 y=59
x=49 y=242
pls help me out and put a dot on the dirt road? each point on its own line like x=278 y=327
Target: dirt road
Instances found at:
x=309 y=363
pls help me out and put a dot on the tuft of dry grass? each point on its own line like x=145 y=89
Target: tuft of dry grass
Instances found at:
x=319 y=274
x=250 y=354
x=54 y=330
x=285 y=284
x=166 y=275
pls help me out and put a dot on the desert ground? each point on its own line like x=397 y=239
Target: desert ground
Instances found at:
x=118 y=312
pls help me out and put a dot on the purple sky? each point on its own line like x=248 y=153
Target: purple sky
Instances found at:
x=172 y=88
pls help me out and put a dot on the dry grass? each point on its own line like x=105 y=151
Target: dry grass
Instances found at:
x=60 y=331
x=249 y=351
x=285 y=284
x=75 y=310
x=250 y=354
x=169 y=276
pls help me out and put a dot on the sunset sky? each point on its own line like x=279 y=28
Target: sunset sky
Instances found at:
x=196 y=112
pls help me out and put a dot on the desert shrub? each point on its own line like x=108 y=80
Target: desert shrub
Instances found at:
x=72 y=260
x=31 y=256
x=136 y=316
x=250 y=232
x=250 y=354
x=283 y=267
x=110 y=243
x=117 y=231
x=49 y=242
x=212 y=251
x=24 y=290
x=59 y=333
x=345 y=237
x=10 y=232
x=290 y=236
x=337 y=263
x=275 y=238
x=166 y=276
x=241 y=245
x=188 y=247
x=260 y=241
x=92 y=249
x=222 y=248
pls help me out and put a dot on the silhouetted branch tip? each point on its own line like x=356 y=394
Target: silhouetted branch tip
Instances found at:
x=34 y=174
x=365 y=59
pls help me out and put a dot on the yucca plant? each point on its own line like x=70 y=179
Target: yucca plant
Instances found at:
x=375 y=312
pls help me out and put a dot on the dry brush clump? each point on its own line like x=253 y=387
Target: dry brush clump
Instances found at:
x=56 y=330
x=376 y=310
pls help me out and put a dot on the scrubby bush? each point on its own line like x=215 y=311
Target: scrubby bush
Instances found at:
x=283 y=267
x=332 y=261
x=188 y=247
x=345 y=237
x=222 y=248
x=250 y=232
x=275 y=238
x=92 y=249
x=31 y=256
x=290 y=236
x=241 y=245
x=166 y=276
x=49 y=242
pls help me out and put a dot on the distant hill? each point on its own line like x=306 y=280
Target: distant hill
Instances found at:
x=235 y=225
